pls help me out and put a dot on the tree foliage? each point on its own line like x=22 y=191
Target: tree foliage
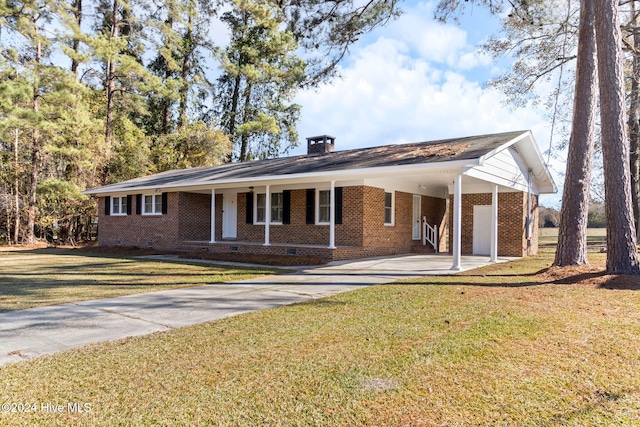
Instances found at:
x=98 y=91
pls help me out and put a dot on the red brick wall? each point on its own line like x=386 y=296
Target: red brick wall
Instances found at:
x=512 y=208
x=394 y=238
x=349 y=233
x=195 y=216
x=161 y=231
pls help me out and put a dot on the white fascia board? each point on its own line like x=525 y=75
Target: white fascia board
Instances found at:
x=507 y=144
x=484 y=176
x=349 y=174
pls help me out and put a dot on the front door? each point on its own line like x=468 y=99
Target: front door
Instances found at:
x=482 y=230
x=417 y=206
x=230 y=216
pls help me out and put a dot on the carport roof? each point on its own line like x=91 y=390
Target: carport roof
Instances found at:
x=440 y=151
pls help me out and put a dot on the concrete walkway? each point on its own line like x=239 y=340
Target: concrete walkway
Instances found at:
x=34 y=332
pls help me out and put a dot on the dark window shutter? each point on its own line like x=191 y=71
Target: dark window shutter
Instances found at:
x=311 y=206
x=129 y=204
x=107 y=205
x=138 y=204
x=286 y=207
x=165 y=204
x=338 y=205
x=249 y=208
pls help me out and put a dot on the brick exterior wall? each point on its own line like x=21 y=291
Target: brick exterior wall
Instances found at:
x=187 y=225
x=512 y=208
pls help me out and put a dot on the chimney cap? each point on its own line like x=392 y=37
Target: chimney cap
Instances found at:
x=320 y=144
x=321 y=138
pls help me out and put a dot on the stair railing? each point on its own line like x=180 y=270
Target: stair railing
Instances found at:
x=429 y=234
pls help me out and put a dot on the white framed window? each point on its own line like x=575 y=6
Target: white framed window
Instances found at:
x=323 y=201
x=388 y=208
x=119 y=205
x=276 y=208
x=277 y=205
x=152 y=204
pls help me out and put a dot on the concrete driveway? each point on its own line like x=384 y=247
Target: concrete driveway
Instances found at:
x=34 y=332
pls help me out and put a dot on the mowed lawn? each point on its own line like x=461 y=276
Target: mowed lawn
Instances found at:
x=33 y=278
x=513 y=344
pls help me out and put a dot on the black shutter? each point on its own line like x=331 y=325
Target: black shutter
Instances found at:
x=249 y=208
x=107 y=205
x=129 y=204
x=165 y=207
x=311 y=206
x=286 y=207
x=338 y=205
x=138 y=204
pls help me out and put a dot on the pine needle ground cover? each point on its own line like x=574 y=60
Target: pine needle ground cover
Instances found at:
x=34 y=278
x=516 y=344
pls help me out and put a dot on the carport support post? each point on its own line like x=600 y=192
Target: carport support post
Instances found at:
x=213 y=216
x=494 y=224
x=457 y=222
x=267 y=215
x=332 y=216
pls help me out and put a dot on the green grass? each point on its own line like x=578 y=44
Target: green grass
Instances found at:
x=34 y=278
x=506 y=345
x=595 y=236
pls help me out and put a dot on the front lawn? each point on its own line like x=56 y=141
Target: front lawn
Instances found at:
x=513 y=344
x=33 y=278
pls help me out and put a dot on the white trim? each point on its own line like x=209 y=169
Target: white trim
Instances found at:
x=332 y=216
x=393 y=208
x=494 y=225
x=317 y=204
x=154 y=204
x=457 y=223
x=267 y=214
x=120 y=213
x=255 y=209
x=213 y=215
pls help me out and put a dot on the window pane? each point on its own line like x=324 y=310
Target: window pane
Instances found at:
x=148 y=204
x=115 y=205
x=387 y=200
x=158 y=203
x=276 y=207
x=123 y=205
x=324 y=197
x=323 y=215
x=260 y=199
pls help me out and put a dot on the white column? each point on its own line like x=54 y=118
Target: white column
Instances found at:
x=213 y=216
x=457 y=222
x=267 y=215
x=494 y=224
x=332 y=216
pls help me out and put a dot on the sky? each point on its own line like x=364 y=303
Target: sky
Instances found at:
x=418 y=80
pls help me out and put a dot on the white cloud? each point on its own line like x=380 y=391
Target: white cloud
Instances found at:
x=412 y=83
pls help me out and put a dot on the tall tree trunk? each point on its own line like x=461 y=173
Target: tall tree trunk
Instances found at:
x=622 y=254
x=244 y=138
x=35 y=149
x=77 y=12
x=110 y=83
x=16 y=191
x=167 y=102
x=572 y=234
x=187 y=52
x=634 y=125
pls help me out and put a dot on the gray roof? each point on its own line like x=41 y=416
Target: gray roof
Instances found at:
x=467 y=148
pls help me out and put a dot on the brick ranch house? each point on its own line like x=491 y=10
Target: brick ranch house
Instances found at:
x=472 y=195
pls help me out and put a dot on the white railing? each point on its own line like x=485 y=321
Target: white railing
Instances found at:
x=429 y=234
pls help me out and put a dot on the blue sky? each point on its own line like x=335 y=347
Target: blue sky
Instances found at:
x=416 y=80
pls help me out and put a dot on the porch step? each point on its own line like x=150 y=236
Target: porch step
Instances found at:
x=422 y=249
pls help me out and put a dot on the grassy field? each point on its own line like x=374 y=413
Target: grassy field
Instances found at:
x=516 y=344
x=33 y=278
x=594 y=235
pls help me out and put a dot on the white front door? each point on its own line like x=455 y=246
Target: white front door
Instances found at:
x=482 y=230
x=230 y=215
x=417 y=212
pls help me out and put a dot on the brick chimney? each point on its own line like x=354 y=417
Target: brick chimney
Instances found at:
x=320 y=144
